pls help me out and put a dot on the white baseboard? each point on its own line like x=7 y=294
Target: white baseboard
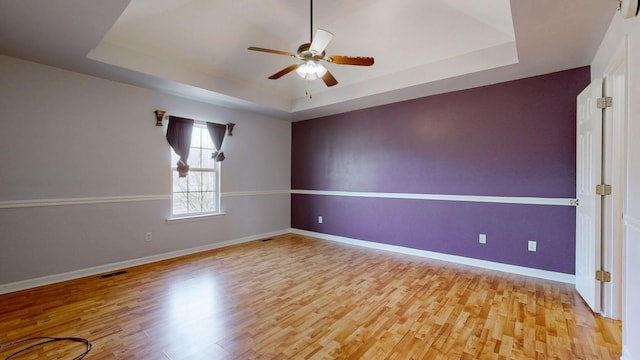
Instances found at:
x=625 y=354
x=513 y=269
x=51 y=279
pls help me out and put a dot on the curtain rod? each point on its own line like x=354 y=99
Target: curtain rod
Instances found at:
x=161 y=114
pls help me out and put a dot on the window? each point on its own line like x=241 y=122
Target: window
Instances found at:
x=198 y=192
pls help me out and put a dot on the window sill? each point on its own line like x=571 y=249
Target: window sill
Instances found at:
x=188 y=218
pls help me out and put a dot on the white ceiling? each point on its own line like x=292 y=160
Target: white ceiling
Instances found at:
x=198 y=48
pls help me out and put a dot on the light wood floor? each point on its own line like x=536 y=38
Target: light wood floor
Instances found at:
x=295 y=297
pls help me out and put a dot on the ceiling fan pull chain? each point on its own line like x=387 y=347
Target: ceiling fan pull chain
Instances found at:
x=306 y=89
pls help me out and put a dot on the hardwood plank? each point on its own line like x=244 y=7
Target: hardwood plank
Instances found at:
x=296 y=297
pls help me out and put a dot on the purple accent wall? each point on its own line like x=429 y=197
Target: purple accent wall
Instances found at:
x=509 y=139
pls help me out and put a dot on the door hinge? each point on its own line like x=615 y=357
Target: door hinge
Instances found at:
x=603 y=189
x=604 y=102
x=574 y=202
x=603 y=276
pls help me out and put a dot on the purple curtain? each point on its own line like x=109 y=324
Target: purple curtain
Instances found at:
x=217 y=131
x=179 y=137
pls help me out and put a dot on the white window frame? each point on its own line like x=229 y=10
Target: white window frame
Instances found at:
x=216 y=182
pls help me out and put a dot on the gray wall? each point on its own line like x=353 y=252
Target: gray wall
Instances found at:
x=90 y=143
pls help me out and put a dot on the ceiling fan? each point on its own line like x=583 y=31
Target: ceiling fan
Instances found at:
x=312 y=54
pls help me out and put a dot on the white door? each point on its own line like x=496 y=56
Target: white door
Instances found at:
x=589 y=210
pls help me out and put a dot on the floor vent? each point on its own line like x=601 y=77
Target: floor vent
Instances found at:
x=113 y=274
x=267 y=239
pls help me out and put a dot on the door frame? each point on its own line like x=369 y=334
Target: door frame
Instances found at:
x=613 y=172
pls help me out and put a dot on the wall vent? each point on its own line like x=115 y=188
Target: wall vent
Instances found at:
x=113 y=274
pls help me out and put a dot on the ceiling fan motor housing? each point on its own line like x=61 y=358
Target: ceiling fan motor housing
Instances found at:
x=305 y=54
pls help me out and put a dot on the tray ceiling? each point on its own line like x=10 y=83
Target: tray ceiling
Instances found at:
x=198 y=48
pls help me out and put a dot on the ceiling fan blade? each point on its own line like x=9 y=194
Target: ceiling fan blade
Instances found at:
x=350 y=60
x=284 y=71
x=328 y=79
x=320 y=41
x=278 y=52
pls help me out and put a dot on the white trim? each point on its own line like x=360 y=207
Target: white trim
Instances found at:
x=613 y=173
x=254 y=193
x=51 y=279
x=116 y=199
x=442 y=197
x=188 y=218
x=632 y=222
x=80 y=201
x=10 y=204
x=626 y=355
x=513 y=269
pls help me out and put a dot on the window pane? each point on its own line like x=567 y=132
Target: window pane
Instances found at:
x=180 y=184
x=207 y=181
x=195 y=180
x=206 y=140
x=180 y=203
x=194 y=158
x=208 y=201
x=195 y=202
x=195 y=137
x=207 y=161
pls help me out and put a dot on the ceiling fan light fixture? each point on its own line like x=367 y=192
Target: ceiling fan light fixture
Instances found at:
x=320 y=42
x=311 y=70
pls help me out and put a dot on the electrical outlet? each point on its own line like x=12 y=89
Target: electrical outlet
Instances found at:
x=532 y=245
x=482 y=238
x=148 y=236
x=319 y=219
